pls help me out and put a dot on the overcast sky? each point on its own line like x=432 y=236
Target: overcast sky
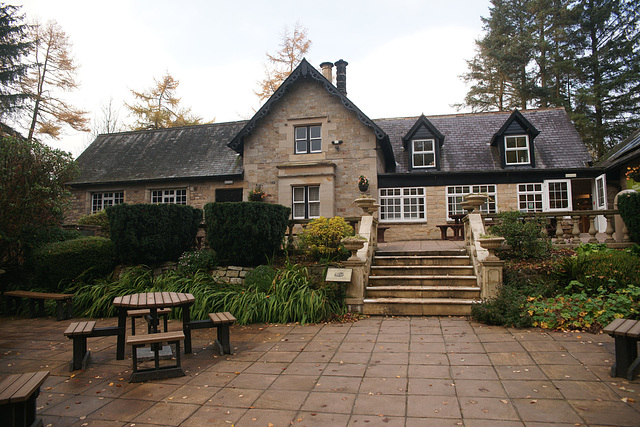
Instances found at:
x=405 y=56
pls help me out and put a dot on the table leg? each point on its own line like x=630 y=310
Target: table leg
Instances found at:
x=186 y=319
x=122 y=326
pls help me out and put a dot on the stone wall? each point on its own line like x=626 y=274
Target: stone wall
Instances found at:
x=231 y=274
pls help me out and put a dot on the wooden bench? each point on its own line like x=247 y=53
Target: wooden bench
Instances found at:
x=145 y=313
x=64 y=303
x=220 y=321
x=626 y=334
x=457 y=231
x=79 y=332
x=157 y=372
x=18 y=395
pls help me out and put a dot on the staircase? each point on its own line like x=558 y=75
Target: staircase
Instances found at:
x=426 y=283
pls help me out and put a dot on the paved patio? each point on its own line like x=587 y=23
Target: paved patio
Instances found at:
x=377 y=371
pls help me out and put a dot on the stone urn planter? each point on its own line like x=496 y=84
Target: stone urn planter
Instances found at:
x=353 y=244
x=367 y=204
x=475 y=200
x=492 y=244
x=466 y=206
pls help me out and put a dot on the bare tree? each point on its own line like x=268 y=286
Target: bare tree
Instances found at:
x=52 y=69
x=280 y=64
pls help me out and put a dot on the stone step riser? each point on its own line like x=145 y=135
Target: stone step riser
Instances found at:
x=422 y=271
x=444 y=252
x=409 y=309
x=412 y=261
x=462 y=293
x=422 y=281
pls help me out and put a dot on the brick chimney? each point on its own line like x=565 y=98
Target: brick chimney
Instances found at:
x=327 y=70
x=341 y=76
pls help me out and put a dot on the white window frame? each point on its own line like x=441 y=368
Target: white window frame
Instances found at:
x=423 y=153
x=600 y=201
x=312 y=144
x=455 y=194
x=409 y=204
x=531 y=197
x=548 y=184
x=307 y=201
x=516 y=149
x=176 y=196
x=102 y=200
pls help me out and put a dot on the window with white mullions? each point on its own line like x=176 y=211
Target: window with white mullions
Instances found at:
x=99 y=201
x=530 y=197
x=306 y=202
x=456 y=193
x=424 y=154
x=403 y=204
x=178 y=197
x=308 y=139
x=517 y=150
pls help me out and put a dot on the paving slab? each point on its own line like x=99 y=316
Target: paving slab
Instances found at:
x=378 y=371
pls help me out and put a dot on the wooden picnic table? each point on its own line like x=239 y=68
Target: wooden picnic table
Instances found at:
x=152 y=301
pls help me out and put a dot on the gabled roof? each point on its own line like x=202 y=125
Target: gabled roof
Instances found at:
x=175 y=153
x=468 y=137
x=517 y=117
x=423 y=121
x=306 y=71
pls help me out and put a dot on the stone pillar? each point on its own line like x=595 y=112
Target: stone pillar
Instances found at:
x=491 y=272
x=355 y=289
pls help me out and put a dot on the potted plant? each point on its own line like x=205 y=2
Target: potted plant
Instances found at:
x=363 y=183
x=257 y=194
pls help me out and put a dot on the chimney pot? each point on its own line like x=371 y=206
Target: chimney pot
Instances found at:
x=327 y=71
x=341 y=76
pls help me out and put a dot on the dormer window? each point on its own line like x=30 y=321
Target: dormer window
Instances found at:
x=516 y=149
x=308 y=139
x=424 y=153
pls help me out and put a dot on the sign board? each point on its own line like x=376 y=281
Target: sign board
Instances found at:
x=338 y=275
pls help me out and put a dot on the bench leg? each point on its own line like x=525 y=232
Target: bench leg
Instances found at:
x=223 y=338
x=36 y=308
x=60 y=310
x=80 y=354
x=626 y=354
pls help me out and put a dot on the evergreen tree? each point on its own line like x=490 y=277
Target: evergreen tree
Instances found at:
x=13 y=46
x=607 y=104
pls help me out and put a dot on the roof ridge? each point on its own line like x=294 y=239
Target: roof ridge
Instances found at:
x=484 y=113
x=126 y=132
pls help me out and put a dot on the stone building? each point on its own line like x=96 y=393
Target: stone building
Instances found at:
x=308 y=144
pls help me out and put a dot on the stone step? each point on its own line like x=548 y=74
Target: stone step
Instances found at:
x=434 y=280
x=462 y=292
x=434 y=252
x=422 y=270
x=385 y=260
x=417 y=306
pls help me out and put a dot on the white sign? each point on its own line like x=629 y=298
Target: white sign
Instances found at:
x=338 y=275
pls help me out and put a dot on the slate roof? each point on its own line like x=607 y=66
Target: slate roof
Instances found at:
x=176 y=153
x=624 y=152
x=467 y=140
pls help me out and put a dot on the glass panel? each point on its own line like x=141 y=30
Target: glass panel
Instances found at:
x=298 y=211
x=314 y=194
x=301 y=133
x=314 y=210
x=298 y=194
x=316 y=145
x=315 y=131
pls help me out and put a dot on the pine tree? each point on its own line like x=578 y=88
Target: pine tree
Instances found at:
x=607 y=104
x=13 y=46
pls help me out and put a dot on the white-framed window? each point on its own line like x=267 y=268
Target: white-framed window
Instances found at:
x=100 y=201
x=407 y=204
x=308 y=139
x=558 y=195
x=455 y=194
x=516 y=150
x=179 y=197
x=306 y=202
x=530 y=197
x=424 y=153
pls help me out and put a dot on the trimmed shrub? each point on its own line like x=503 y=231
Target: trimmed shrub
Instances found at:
x=100 y=219
x=321 y=237
x=629 y=206
x=596 y=272
x=148 y=234
x=245 y=233
x=57 y=264
x=524 y=235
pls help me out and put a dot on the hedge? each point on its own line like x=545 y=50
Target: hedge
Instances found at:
x=56 y=264
x=148 y=234
x=629 y=206
x=247 y=233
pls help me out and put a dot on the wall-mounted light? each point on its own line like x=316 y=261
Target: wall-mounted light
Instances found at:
x=336 y=143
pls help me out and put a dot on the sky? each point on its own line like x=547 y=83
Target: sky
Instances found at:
x=405 y=56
